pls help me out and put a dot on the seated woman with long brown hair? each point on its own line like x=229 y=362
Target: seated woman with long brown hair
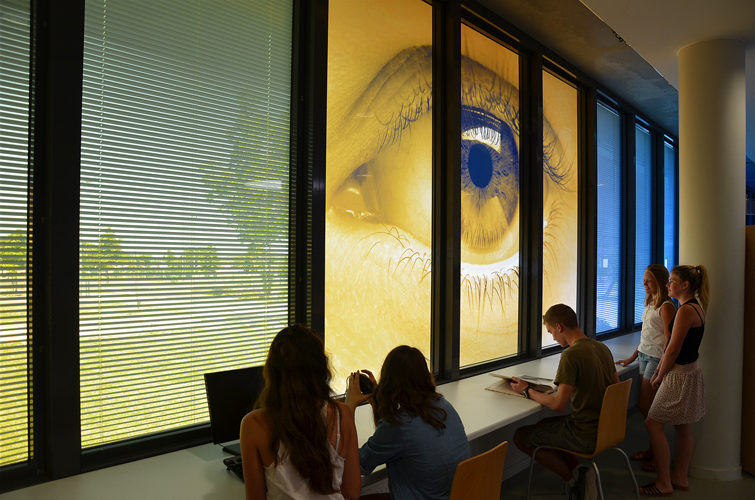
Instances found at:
x=299 y=443
x=418 y=435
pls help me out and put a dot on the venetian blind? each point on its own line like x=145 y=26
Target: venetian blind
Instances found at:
x=15 y=308
x=643 y=255
x=609 y=219
x=669 y=205
x=184 y=204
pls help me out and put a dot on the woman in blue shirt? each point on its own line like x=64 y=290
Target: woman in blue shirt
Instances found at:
x=418 y=434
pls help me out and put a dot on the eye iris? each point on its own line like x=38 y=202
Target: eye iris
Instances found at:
x=480 y=165
x=489 y=166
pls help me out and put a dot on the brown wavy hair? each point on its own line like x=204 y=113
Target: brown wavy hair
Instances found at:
x=698 y=281
x=407 y=388
x=297 y=384
x=660 y=275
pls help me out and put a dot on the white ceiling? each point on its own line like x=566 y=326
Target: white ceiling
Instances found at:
x=658 y=29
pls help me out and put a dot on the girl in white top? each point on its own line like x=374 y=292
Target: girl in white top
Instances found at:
x=659 y=311
x=299 y=444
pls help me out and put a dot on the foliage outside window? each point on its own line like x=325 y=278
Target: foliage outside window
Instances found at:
x=16 y=444
x=184 y=205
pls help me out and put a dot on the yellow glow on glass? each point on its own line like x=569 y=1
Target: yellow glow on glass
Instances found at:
x=560 y=203
x=378 y=183
x=489 y=200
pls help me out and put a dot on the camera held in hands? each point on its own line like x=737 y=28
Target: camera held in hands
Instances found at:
x=364 y=384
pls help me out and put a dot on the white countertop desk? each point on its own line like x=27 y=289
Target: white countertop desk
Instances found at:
x=199 y=473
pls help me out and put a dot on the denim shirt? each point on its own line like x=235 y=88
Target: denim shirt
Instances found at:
x=421 y=459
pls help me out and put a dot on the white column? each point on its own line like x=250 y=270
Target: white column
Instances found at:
x=711 y=232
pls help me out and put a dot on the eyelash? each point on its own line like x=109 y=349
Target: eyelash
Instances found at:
x=550 y=240
x=502 y=103
x=483 y=289
x=475 y=96
x=559 y=173
x=411 y=107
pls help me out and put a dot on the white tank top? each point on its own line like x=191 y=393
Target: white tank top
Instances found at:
x=284 y=482
x=653 y=338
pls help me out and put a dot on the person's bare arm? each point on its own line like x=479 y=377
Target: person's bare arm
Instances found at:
x=685 y=318
x=557 y=402
x=253 y=432
x=354 y=396
x=625 y=362
x=351 y=487
x=667 y=314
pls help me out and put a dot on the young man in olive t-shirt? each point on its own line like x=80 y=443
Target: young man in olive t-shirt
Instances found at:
x=585 y=370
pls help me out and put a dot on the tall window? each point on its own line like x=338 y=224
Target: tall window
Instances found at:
x=609 y=252
x=669 y=205
x=560 y=187
x=643 y=255
x=15 y=306
x=378 y=181
x=489 y=199
x=184 y=204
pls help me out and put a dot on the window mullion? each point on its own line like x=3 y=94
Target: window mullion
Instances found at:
x=629 y=204
x=531 y=223
x=446 y=221
x=58 y=154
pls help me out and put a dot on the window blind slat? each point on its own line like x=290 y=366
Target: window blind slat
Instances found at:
x=669 y=206
x=184 y=268
x=644 y=216
x=15 y=373
x=610 y=221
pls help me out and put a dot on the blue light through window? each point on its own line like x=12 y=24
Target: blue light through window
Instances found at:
x=609 y=220
x=669 y=206
x=644 y=216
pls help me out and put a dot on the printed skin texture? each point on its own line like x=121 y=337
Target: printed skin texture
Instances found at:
x=379 y=188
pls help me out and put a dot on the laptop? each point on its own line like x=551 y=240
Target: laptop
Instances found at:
x=230 y=396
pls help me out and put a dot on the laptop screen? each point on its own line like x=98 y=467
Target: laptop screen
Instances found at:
x=231 y=395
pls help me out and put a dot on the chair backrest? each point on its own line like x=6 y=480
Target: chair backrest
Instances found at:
x=479 y=478
x=612 y=425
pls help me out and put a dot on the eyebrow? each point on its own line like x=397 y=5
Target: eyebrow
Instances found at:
x=398 y=94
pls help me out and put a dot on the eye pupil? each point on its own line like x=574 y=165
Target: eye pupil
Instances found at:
x=480 y=165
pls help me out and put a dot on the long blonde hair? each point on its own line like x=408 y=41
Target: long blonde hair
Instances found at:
x=660 y=275
x=697 y=276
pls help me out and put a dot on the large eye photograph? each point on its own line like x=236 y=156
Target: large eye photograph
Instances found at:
x=378 y=182
x=560 y=186
x=489 y=199
x=378 y=260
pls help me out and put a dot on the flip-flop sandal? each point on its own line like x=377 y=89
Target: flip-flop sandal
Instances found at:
x=650 y=467
x=642 y=456
x=651 y=490
x=679 y=487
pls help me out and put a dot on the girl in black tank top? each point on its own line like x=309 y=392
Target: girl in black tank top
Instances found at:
x=680 y=399
x=691 y=344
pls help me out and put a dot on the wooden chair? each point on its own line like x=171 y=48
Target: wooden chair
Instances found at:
x=612 y=427
x=479 y=478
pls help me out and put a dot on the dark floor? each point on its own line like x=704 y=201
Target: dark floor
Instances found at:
x=616 y=481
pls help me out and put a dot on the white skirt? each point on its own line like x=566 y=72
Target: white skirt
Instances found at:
x=681 y=397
